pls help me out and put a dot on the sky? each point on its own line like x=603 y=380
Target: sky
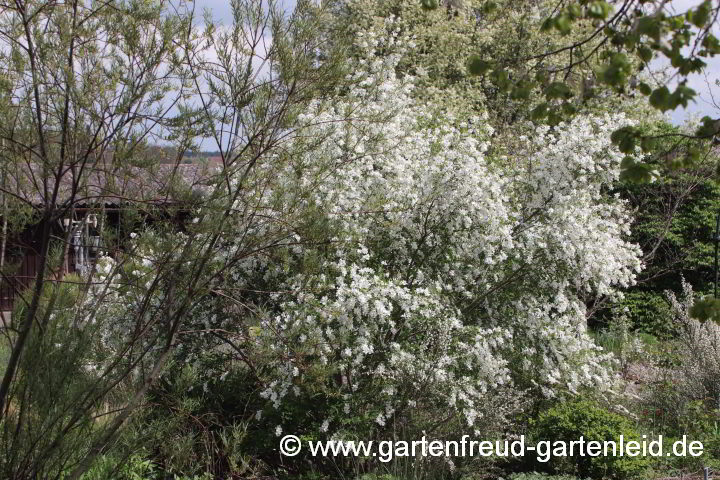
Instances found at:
x=221 y=8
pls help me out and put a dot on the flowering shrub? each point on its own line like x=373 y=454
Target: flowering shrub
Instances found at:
x=416 y=271
x=699 y=349
x=443 y=276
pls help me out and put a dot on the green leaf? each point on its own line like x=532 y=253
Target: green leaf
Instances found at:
x=501 y=79
x=650 y=26
x=548 y=24
x=644 y=88
x=631 y=40
x=691 y=65
x=648 y=144
x=617 y=71
x=618 y=40
x=708 y=128
x=554 y=117
x=625 y=138
x=681 y=96
x=676 y=57
x=574 y=11
x=711 y=44
x=636 y=172
x=563 y=24
x=627 y=162
x=645 y=53
x=541 y=77
x=568 y=108
x=477 y=66
x=700 y=16
x=429 y=4
x=660 y=99
x=521 y=91
x=539 y=112
x=489 y=7
x=599 y=10
x=680 y=38
x=558 y=90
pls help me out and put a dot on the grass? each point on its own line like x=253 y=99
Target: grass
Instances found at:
x=611 y=341
x=4 y=353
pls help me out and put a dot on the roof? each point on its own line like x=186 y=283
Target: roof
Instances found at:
x=96 y=184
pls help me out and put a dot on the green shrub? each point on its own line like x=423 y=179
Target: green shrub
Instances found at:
x=198 y=423
x=648 y=312
x=540 y=476
x=569 y=421
x=137 y=467
x=674 y=224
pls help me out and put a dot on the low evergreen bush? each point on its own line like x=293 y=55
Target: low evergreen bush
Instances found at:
x=571 y=420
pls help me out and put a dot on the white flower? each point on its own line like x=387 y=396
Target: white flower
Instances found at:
x=442 y=260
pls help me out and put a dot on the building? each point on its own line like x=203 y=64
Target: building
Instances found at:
x=94 y=212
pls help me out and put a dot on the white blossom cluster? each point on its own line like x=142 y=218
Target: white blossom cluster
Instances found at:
x=451 y=273
x=125 y=296
x=448 y=276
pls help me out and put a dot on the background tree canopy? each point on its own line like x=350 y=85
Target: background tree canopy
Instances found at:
x=598 y=46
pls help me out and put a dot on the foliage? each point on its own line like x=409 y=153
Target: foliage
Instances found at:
x=540 y=476
x=699 y=342
x=582 y=418
x=647 y=311
x=375 y=254
x=609 y=43
x=456 y=51
x=451 y=284
x=201 y=426
x=137 y=467
x=86 y=86
x=71 y=76
x=674 y=224
x=666 y=408
x=57 y=373
x=681 y=397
